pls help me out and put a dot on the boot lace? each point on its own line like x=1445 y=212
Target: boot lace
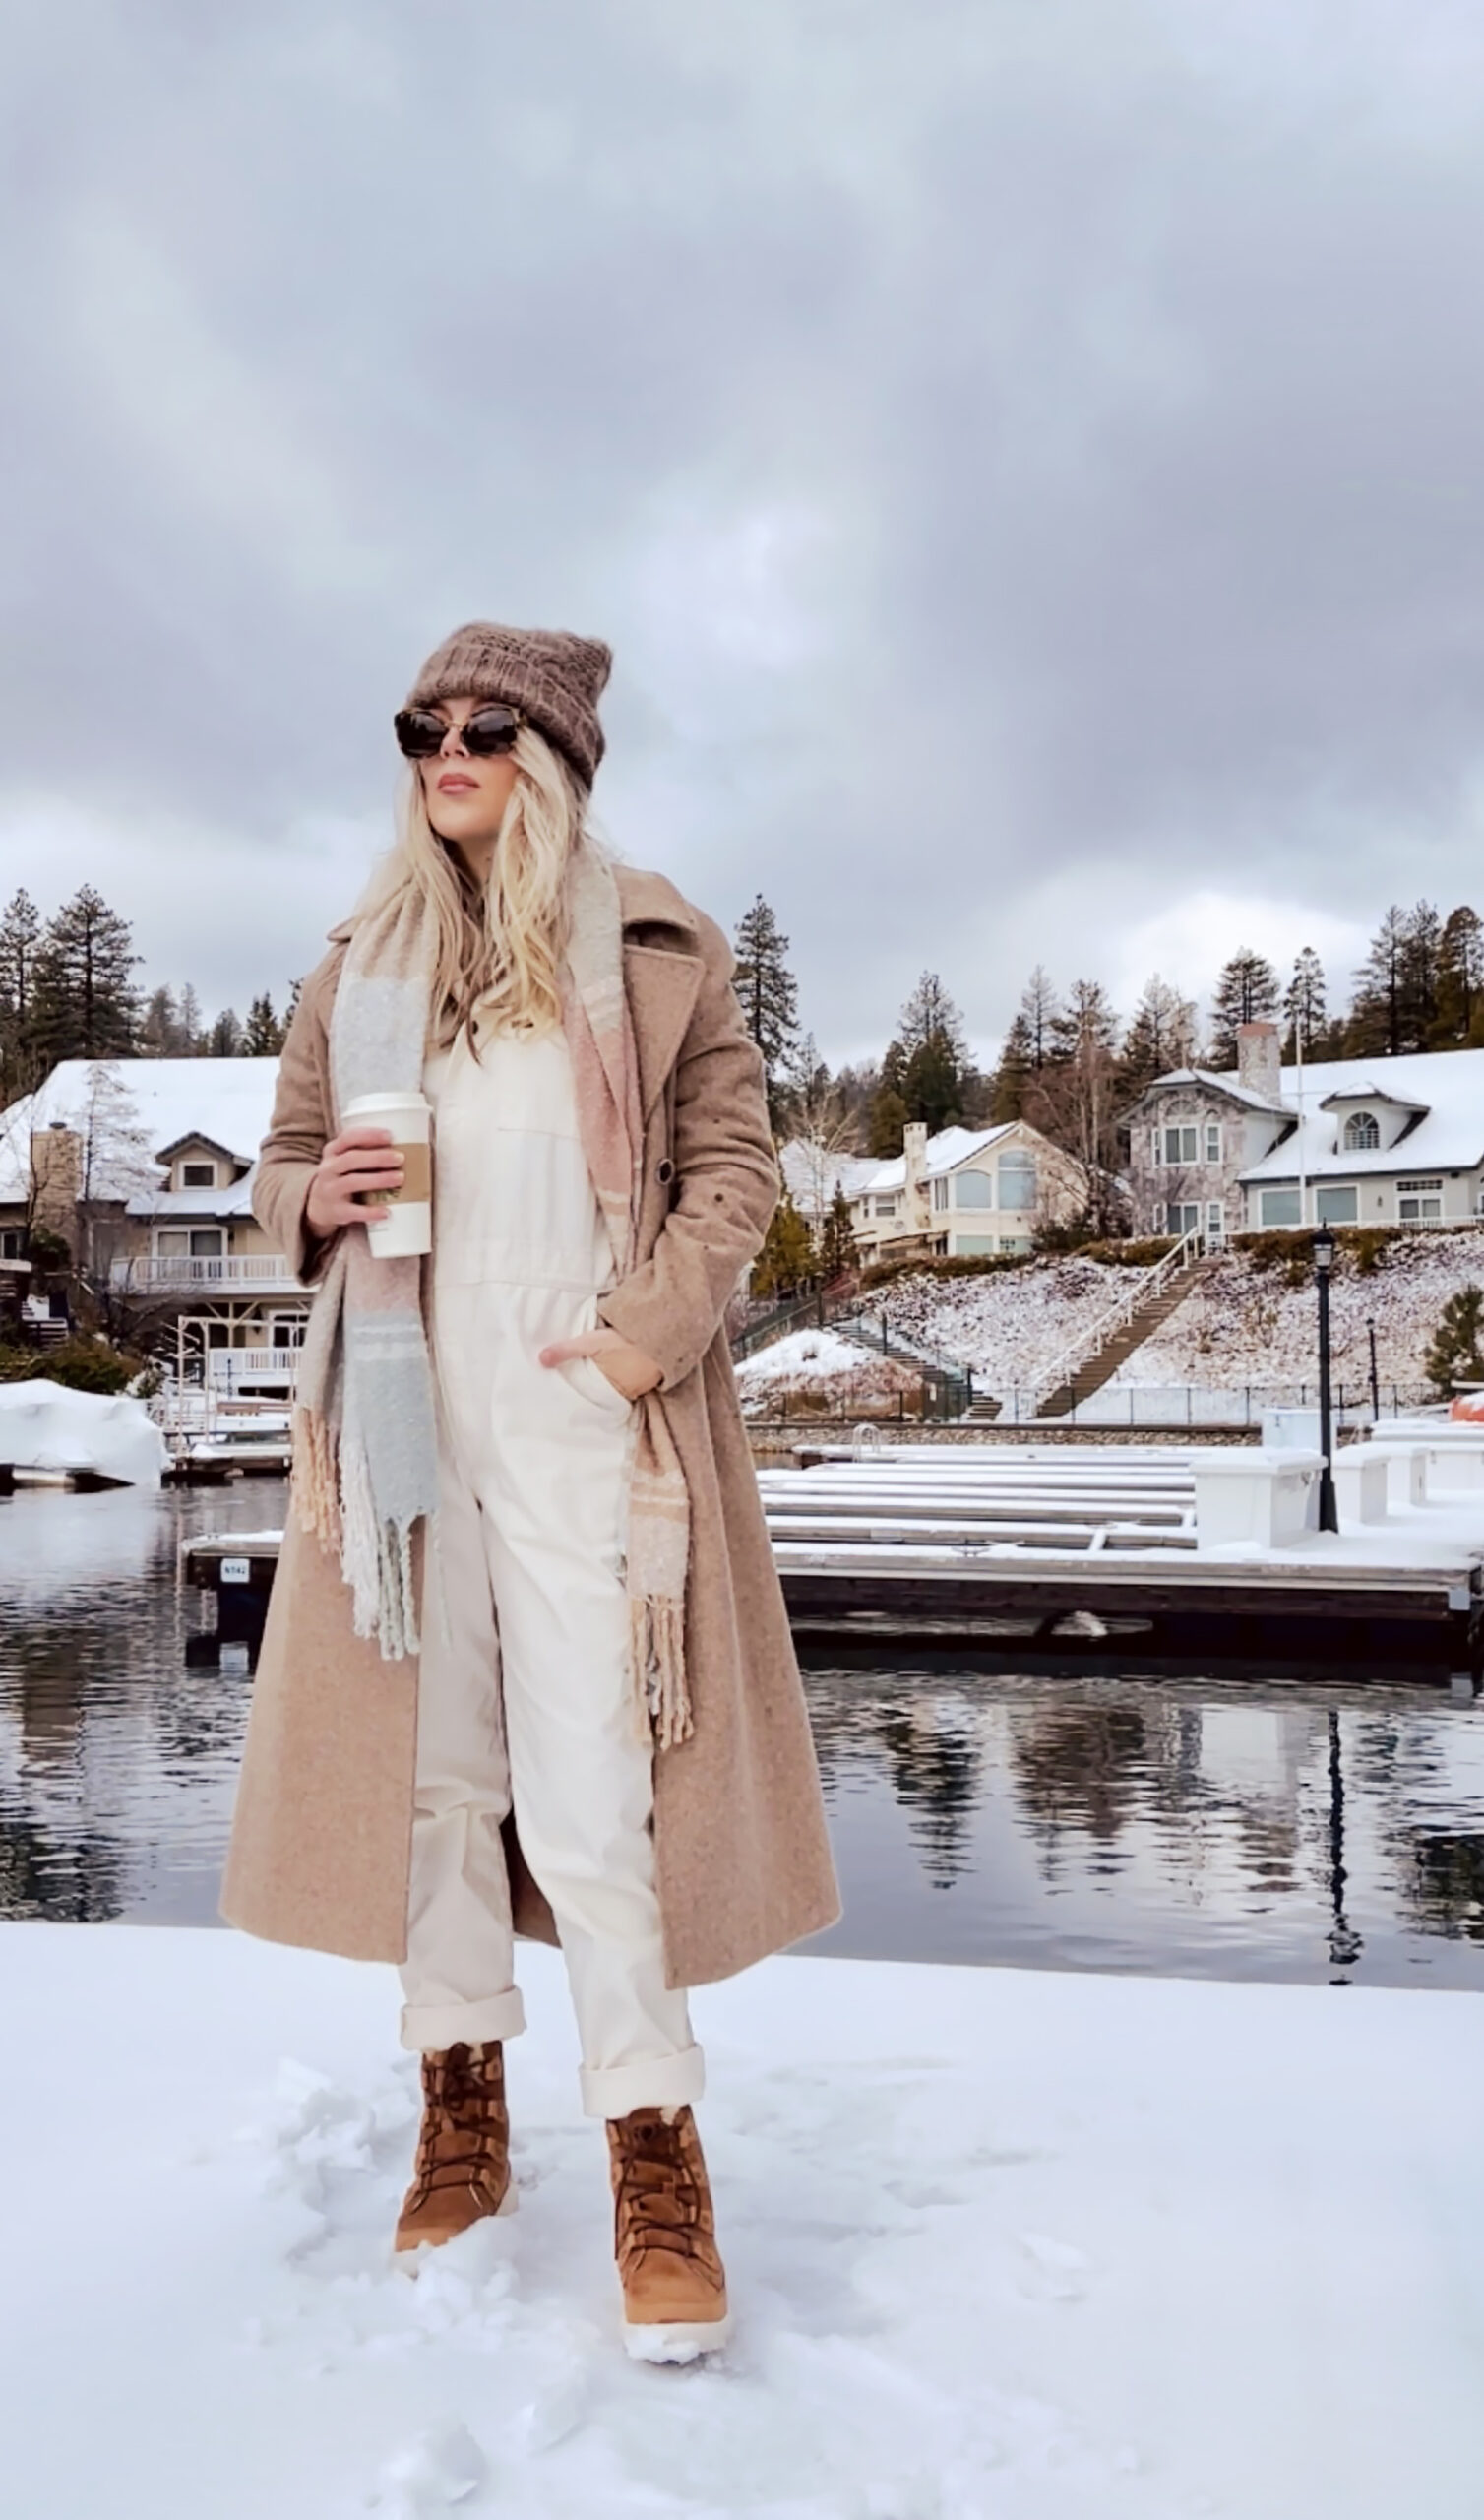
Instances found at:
x=465 y=2129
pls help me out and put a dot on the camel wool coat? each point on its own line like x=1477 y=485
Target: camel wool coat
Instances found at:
x=322 y=1835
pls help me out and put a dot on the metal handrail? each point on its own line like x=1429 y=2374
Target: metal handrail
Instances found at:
x=1148 y=1283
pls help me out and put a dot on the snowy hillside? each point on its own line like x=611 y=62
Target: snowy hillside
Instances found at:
x=1244 y=1324
x=818 y=1369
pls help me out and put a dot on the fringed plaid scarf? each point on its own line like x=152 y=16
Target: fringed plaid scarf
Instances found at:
x=365 y=1439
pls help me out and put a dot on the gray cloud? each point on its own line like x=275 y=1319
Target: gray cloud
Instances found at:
x=1026 y=461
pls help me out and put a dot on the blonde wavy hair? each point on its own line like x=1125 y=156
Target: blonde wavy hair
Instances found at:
x=500 y=945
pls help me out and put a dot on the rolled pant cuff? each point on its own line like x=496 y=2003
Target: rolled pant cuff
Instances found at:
x=665 y=2082
x=431 y=2028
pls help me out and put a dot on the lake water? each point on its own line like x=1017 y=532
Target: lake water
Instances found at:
x=1283 y=1831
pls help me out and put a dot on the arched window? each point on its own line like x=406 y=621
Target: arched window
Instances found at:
x=1362 y=1130
x=973 y=1190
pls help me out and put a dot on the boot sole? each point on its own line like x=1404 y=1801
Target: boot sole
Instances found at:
x=408 y=2257
x=676 y=2340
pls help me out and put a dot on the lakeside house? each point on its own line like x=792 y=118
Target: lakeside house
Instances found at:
x=959 y=1194
x=1373 y=1141
x=143 y=1168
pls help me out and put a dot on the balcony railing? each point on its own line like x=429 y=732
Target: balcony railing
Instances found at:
x=181 y=1270
x=228 y=1369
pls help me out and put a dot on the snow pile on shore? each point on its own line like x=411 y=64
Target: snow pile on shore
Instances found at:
x=821 y=1370
x=1003 y=2246
x=1243 y=1323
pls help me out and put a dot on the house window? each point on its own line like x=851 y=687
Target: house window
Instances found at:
x=972 y=1246
x=206 y=1242
x=973 y=1190
x=1280 y=1207
x=1340 y=1206
x=885 y=1207
x=287 y=1331
x=198 y=1176
x=1216 y=1221
x=940 y=1192
x=1184 y=1217
x=1420 y=1202
x=1213 y=1141
x=1180 y=1145
x=1017 y=1182
x=1362 y=1130
x=11 y=1240
x=172 y=1243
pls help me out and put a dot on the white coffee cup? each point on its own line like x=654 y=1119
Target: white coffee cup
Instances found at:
x=408 y=1226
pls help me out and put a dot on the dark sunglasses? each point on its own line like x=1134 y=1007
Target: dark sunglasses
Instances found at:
x=421 y=733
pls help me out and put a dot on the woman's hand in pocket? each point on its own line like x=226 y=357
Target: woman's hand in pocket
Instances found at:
x=631 y=1373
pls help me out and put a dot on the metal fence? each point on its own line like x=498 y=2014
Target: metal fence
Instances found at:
x=1199 y=1405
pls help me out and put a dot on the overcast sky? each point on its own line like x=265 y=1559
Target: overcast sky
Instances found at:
x=1025 y=454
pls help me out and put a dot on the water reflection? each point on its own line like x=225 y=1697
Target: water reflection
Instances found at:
x=1270 y=1831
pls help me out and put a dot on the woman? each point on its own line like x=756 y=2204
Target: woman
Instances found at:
x=527 y=1666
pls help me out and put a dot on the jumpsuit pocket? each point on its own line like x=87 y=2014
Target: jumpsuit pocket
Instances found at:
x=587 y=1377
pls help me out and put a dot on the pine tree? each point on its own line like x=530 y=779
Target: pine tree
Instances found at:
x=86 y=1006
x=1039 y=1011
x=1378 y=1012
x=1246 y=992
x=160 y=1026
x=887 y=1122
x=263 y=1038
x=20 y=1062
x=1304 y=1004
x=1017 y=1064
x=1421 y=952
x=838 y=1253
x=787 y=1260
x=1455 y=1356
x=1460 y=978
x=936 y=1070
x=1161 y=1036
x=225 y=1040
x=769 y=999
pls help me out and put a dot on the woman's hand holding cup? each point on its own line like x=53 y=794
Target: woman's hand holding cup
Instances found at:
x=354 y=1166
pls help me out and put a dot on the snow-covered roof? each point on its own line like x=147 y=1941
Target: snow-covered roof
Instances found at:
x=944 y=1153
x=1445 y=1087
x=155 y=1105
x=1216 y=1081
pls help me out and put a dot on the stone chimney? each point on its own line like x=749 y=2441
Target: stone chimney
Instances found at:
x=917 y=1214
x=1259 y=1067
x=56 y=1172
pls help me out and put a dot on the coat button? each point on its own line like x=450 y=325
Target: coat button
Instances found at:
x=664 y=1171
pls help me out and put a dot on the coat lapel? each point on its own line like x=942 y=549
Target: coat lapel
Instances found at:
x=662 y=990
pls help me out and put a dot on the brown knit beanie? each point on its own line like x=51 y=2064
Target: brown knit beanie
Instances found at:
x=552 y=676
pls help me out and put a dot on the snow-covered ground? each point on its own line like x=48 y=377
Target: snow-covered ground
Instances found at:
x=1242 y=1324
x=823 y=1371
x=1010 y=1326
x=1003 y=2246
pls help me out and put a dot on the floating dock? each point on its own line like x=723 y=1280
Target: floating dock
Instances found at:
x=1093 y=1558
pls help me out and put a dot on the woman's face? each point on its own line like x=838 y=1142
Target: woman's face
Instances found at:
x=467 y=792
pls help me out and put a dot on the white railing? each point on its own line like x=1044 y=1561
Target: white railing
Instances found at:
x=1146 y=1283
x=228 y=1367
x=223 y=1269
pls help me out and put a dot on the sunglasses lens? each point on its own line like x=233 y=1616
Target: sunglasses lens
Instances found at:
x=419 y=732
x=492 y=729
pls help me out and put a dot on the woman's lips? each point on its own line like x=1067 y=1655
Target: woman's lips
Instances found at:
x=453 y=783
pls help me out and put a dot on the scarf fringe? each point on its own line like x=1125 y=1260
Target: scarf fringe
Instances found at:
x=333 y=1497
x=315 y=1478
x=656 y=1662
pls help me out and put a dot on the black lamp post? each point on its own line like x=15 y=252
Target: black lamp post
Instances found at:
x=1324 y=1262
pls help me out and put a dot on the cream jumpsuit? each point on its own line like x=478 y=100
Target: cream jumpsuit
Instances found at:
x=524 y=1694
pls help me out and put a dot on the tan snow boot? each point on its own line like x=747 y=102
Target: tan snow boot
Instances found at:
x=462 y=2171
x=665 y=2237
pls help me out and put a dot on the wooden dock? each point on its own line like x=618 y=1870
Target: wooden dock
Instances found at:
x=1015 y=1559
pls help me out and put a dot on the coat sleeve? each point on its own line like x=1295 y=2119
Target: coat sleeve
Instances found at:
x=301 y=1125
x=726 y=1183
